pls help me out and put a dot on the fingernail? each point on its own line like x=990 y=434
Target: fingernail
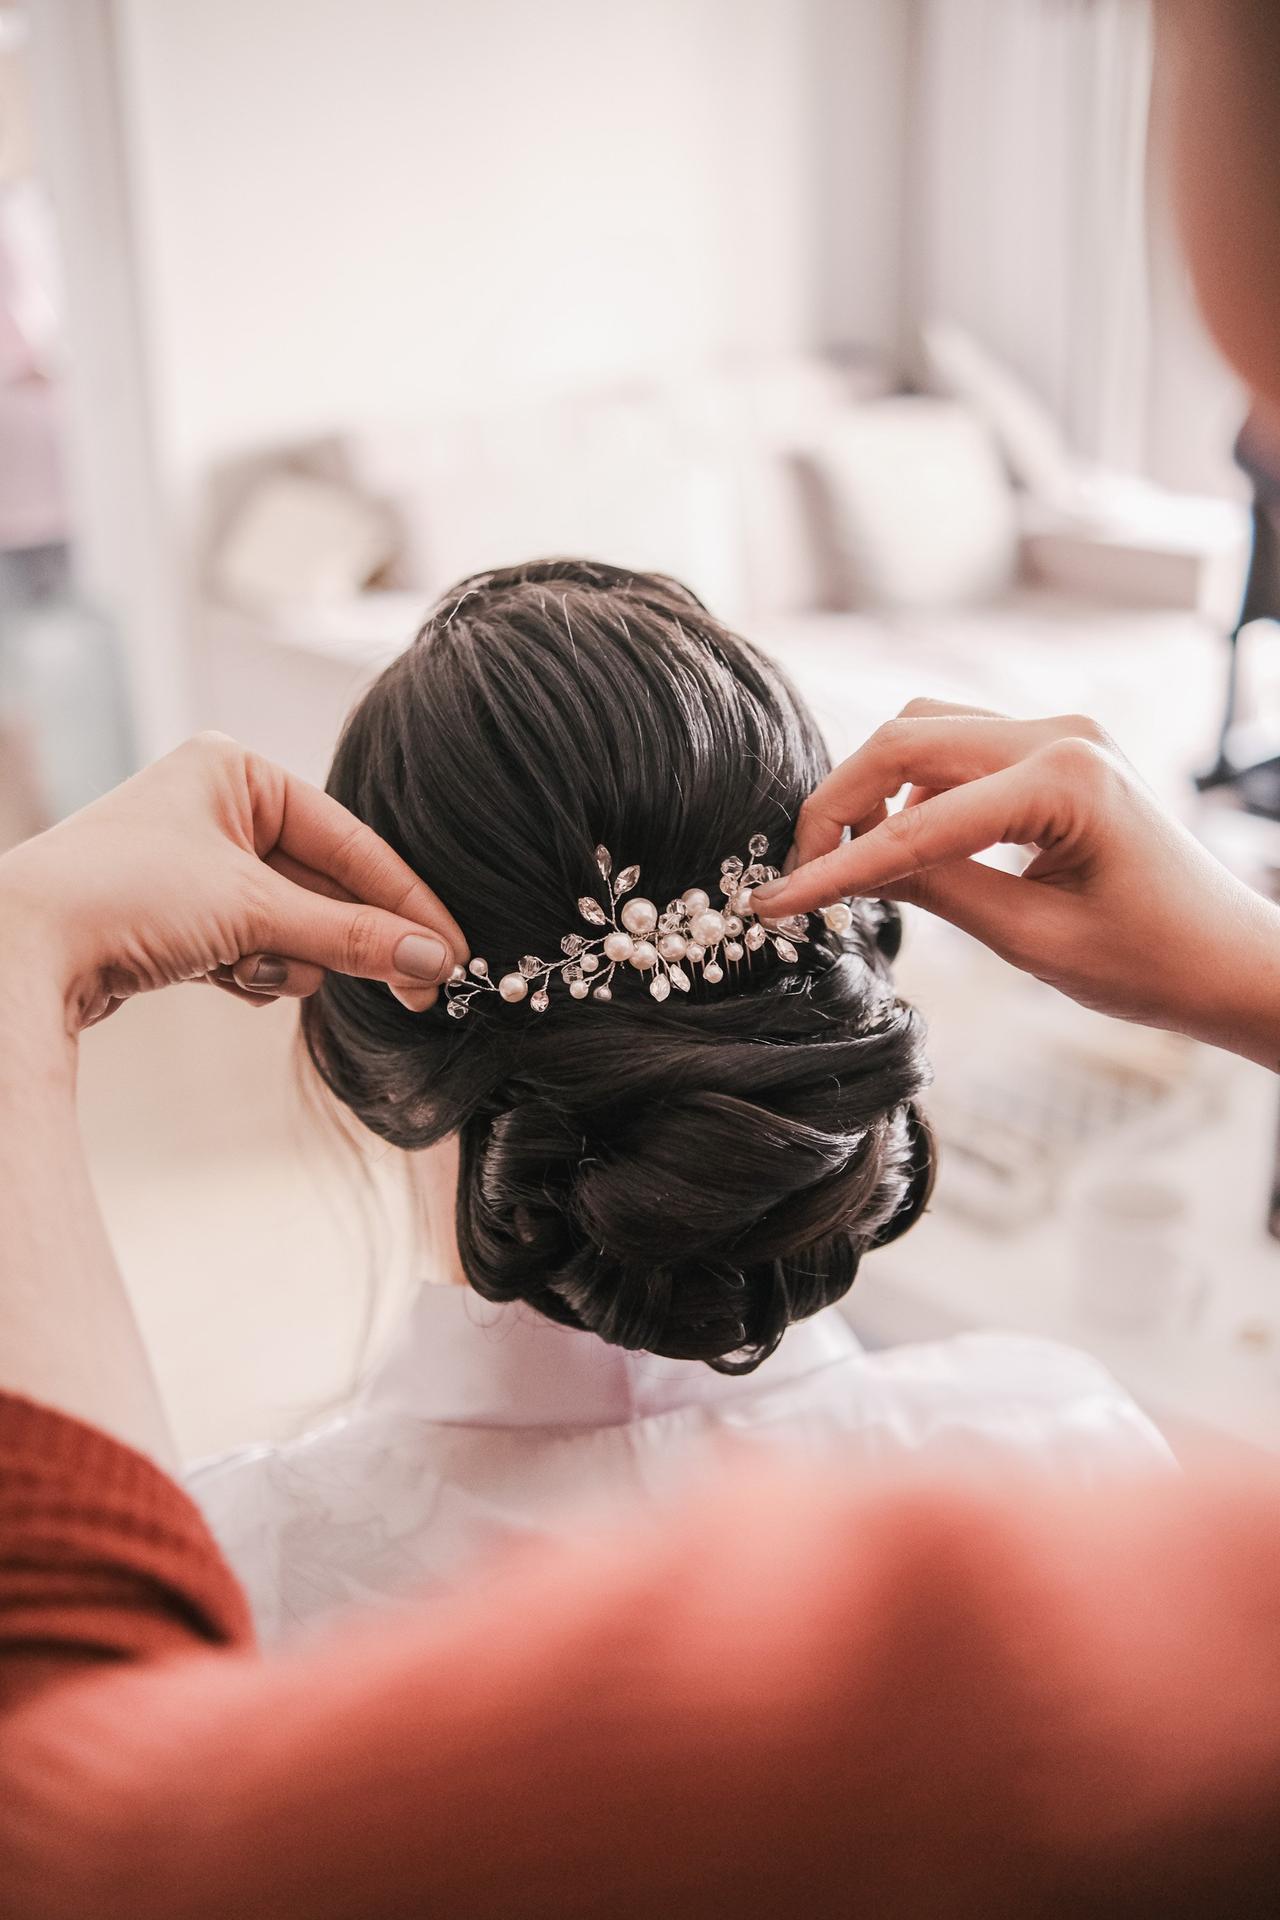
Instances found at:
x=268 y=973
x=421 y=958
x=761 y=896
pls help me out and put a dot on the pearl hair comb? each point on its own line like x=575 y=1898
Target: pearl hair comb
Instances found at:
x=663 y=945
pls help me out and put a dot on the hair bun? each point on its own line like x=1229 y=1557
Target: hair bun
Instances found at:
x=695 y=1179
x=686 y=1176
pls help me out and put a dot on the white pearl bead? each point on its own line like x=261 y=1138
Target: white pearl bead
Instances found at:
x=673 y=946
x=733 y=950
x=713 y=973
x=741 y=902
x=589 y=962
x=579 y=989
x=732 y=926
x=513 y=986
x=694 y=952
x=644 y=956
x=838 y=917
x=639 y=916
x=707 y=927
x=618 y=946
x=695 y=901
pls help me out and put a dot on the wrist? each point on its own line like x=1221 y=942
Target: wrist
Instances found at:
x=1238 y=1005
x=35 y=979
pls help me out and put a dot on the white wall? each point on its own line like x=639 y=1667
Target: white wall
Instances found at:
x=370 y=211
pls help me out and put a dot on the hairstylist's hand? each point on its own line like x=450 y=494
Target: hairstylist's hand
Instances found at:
x=213 y=863
x=1120 y=908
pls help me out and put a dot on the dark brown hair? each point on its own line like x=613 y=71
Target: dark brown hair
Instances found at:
x=685 y=1178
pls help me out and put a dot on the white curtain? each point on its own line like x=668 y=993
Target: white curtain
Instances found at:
x=1027 y=200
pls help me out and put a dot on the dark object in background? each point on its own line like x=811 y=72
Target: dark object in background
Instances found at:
x=1257 y=452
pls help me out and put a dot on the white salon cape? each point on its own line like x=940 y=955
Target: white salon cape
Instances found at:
x=489 y=1425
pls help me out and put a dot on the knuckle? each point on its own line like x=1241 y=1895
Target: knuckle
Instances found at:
x=1076 y=760
x=1081 y=726
x=890 y=741
x=361 y=943
x=901 y=829
x=211 y=745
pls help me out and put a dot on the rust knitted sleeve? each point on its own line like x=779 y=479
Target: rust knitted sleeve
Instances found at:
x=101 y=1554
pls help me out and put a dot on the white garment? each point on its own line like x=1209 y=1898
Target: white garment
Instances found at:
x=490 y=1424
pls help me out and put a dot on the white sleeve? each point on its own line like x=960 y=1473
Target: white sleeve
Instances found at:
x=1009 y=1396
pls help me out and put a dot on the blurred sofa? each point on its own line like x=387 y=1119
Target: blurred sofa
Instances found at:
x=879 y=544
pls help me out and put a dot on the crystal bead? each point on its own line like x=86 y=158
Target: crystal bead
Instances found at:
x=713 y=973
x=785 y=951
x=458 y=1008
x=732 y=865
x=755 y=937
x=628 y=878
x=604 y=860
x=675 y=910
x=571 y=973
x=603 y=993
x=733 y=950
x=592 y=910
x=572 y=944
x=670 y=922
x=795 y=926
x=529 y=965
x=660 y=986
x=680 y=979
x=755 y=876
x=758 y=845
x=540 y=1001
x=480 y=968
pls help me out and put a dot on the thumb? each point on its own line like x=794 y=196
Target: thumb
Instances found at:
x=366 y=942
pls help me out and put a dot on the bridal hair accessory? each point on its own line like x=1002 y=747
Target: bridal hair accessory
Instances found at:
x=661 y=945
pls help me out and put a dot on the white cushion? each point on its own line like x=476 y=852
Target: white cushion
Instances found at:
x=960 y=368
x=916 y=506
x=297 y=539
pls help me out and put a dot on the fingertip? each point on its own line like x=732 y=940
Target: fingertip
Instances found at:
x=415 y=999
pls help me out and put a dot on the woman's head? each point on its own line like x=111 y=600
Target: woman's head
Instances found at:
x=685 y=1177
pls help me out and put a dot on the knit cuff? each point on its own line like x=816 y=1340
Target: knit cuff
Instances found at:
x=101 y=1552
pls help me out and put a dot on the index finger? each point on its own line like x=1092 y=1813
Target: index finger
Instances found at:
x=317 y=832
x=1007 y=806
x=935 y=750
